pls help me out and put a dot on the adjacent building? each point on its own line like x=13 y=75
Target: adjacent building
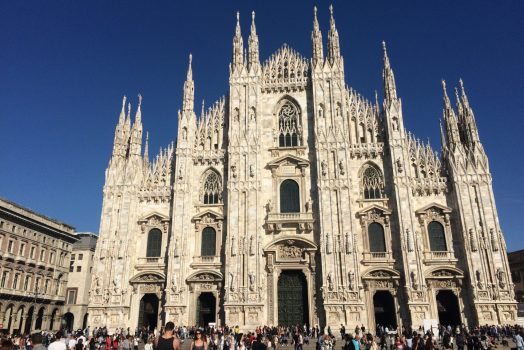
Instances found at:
x=34 y=266
x=79 y=281
x=516 y=265
x=296 y=200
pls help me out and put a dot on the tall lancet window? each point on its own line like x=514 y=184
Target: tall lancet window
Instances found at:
x=212 y=188
x=288 y=125
x=154 y=243
x=372 y=182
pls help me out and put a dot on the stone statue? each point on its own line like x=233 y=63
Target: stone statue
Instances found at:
x=234 y=170
x=309 y=205
x=330 y=280
x=174 y=282
x=351 y=279
x=414 y=282
x=494 y=242
x=252 y=279
x=269 y=206
x=501 y=277
x=181 y=172
x=232 y=281
x=323 y=165
x=252 y=170
x=480 y=284
x=341 y=168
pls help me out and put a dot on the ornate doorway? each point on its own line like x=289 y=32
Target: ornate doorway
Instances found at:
x=68 y=321
x=292 y=298
x=384 y=308
x=148 y=316
x=448 y=308
x=206 y=309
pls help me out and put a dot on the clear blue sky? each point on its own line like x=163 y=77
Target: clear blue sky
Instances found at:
x=64 y=66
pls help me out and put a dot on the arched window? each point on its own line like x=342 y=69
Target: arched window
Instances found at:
x=437 y=238
x=288 y=125
x=154 y=243
x=377 y=243
x=212 y=188
x=289 y=197
x=209 y=237
x=372 y=183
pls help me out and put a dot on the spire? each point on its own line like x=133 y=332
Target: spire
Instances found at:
x=119 y=142
x=316 y=39
x=253 y=44
x=122 y=112
x=138 y=115
x=468 y=122
x=390 y=89
x=202 y=111
x=450 y=119
x=333 y=42
x=238 y=46
x=189 y=89
x=127 y=123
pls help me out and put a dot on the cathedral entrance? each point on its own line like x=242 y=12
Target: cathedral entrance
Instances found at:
x=384 y=308
x=206 y=309
x=292 y=298
x=148 y=316
x=448 y=308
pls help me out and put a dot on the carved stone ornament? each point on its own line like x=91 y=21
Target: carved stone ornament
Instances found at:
x=290 y=251
x=473 y=240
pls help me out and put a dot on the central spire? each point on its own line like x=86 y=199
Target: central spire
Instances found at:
x=316 y=39
x=333 y=41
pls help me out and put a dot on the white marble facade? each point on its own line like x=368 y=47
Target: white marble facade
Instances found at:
x=361 y=199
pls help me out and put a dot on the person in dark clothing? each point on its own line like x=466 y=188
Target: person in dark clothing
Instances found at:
x=257 y=344
x=168 y=341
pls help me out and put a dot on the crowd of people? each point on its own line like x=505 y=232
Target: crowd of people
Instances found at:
x=170 y=337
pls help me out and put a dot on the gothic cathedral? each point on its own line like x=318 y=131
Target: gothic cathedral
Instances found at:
x=295 y=200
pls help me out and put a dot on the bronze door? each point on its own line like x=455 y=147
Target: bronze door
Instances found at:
x=292 y=298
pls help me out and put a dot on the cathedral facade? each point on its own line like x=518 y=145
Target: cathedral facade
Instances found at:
x=294 y=199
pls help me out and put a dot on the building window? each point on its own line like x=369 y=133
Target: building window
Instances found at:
x=372 y=183
x=26 y=282
x=71 y=296
x=21 y=250
x=42 y=255
x=10 y=246
x=15 y=281
x=52 y=258
x=32 y=254
x=80 y=256
x=71 y=268
x=73 y=256
x=46 y=285
x=154 y=243
x=377 y=243
x=78 y=268
x=288 y=125
x=5 y=274
x=212 y=188
x=37 y=284
x=209 y=237
x=437 y=237
x=289 y=197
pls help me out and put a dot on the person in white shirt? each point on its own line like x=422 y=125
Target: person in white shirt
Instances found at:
x=59 y=343
x=72 y=342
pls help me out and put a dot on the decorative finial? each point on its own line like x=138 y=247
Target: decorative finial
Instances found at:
x=190 y=58
x=444 y=85
x=124 y=101
x=384 y=46
x=139 y=100
x=238 y=17
x=331 y=10
x=253 y=16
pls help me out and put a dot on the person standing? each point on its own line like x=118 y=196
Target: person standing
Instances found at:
x=519 y=341
x=168 y=340
x=59 y=343
x=36 y=341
